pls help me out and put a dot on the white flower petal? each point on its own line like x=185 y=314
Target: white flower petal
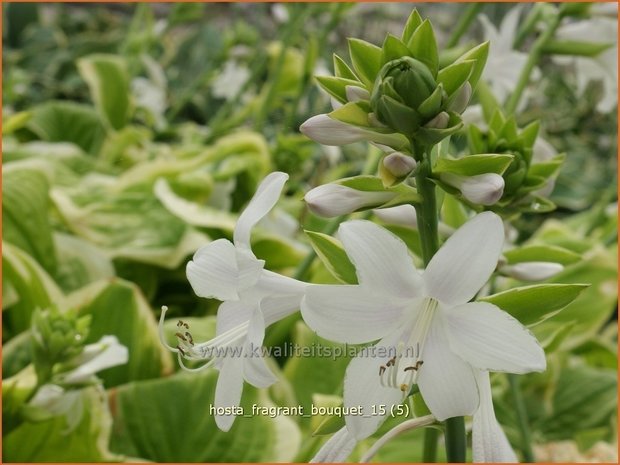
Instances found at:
x=213 y=272
x=337 y=448
x=264 y=199
x=228 y=390
x=362 y=387
x=331 y=200
x=233 y=313
x=446 y=382
x=106 y=353
x=274 y=283
x=481 y=189
x=329 y=131
x=355 y=93
x=255 y=371
x=276 y=307
x=382 y=261
x=491 y=339
x=489 y=442
x=403 y=215
x=466 y=260
x=349 y=313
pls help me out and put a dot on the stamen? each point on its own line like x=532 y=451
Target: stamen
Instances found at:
x=160 y=328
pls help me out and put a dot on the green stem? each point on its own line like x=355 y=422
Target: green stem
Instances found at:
x=426 y=211
x=430 y=445
x=464 y=22
x=456 y=446
x=532 y=60
x=524 y=427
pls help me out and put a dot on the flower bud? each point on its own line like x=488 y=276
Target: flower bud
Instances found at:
x=461 y=100
x=439 y=122
x=331 y=200
x=355 y=93
x=531 y=271
x=398 y=164
x=403 y=215
x=403 y=85
x=481 y=189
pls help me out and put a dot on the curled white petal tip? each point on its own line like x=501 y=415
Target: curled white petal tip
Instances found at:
x=481 y=189
x=331 y=200
x=355 y=93
x=399 y=164
x=532 y=271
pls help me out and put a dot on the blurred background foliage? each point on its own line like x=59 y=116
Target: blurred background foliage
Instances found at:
x=135 y=133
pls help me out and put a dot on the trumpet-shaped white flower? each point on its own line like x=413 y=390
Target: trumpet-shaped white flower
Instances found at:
x=428 y=333
x=331 y=200
x=489 y=442
x=253 y=299
x=504 y=64
x=481 y=189
x=105 y=353
x=604 y=66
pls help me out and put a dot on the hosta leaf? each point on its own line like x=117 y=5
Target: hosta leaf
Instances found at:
x=108 y=80
x=155 y=417
x=25 y=204
x=68 y=122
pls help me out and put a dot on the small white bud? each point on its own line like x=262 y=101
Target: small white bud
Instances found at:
x=355 y=93
x=403 y=215
x=329 y=131
x=460 y=102
x=439 y=122
x=482 y=189
x=331 y=200
x=399 y=164
x=531 y=271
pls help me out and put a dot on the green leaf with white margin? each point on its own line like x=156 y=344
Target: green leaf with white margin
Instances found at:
x=277 y=251
x=534 y=304
x=333 y=256
x=190 y=212
x=32 y=285
x=60 y=121
x=130 y=224
x=366 y=59
x=542 y=253
x=596 y=304
x=584 y=398
x=108 y=80
x=80 y=262
x=472 y=165
x=316 y=375
x=52 y=441
x=25 y=205
x=168 y=420
x=118 y=307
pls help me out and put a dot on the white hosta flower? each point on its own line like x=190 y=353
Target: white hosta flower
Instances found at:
x=230 y=81
x=331 y=200
x=489 y=442
x=253 y=299
x=604 y=66
x=504 y=64
x=481 y=189
x=329 y=131
x=428 y=333
x=531 y=271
